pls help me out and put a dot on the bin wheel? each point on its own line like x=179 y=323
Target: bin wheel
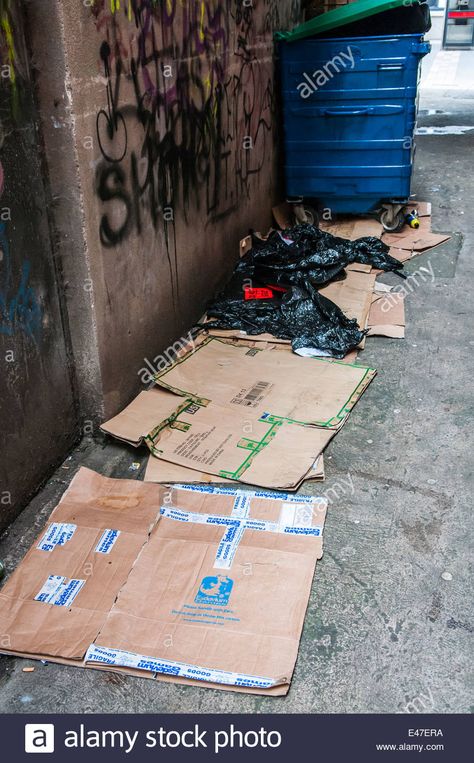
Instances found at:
x=392 y=221
x=306 y=214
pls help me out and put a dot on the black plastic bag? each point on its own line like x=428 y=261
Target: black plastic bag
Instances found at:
x=293 y=264
x=304 y=254
x=303 y=316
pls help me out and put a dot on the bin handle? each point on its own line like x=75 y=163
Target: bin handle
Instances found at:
x=391 y=67
x=422 y=48
x=347 y=112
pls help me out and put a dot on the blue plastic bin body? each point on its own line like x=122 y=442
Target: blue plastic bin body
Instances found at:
x=349 y=109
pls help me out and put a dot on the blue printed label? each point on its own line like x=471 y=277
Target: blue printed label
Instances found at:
x=57 y=534
x=59 y=591
x=107 y=541
x=214 y=589
x=104 y=656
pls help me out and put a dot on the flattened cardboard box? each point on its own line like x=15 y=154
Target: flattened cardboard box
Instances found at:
x=158 y=470
x=228 y=444
x=275 y=386
x=195 y=584
x=416 y=240
x=387 y=315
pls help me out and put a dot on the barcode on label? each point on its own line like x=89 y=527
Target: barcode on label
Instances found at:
x=257 y=390
x=253 y=395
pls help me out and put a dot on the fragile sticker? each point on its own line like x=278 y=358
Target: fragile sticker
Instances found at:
x=59 y=590
x=57 y=534
x=106 y=656
x=296 y=515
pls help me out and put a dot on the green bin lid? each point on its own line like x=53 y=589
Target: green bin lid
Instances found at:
x=346 y=14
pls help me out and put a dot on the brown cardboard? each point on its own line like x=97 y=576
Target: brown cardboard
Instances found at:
x=402 y=255
x=387 y=315
x=415 y=240
x=179 y=594
x=352 y=227
x=284 y=215
x=148 y=410
x=237 y=334
x=274 y=386
x=227 y=443
x=93 y=505
x=165 y=472
x=245 y=245
x=353 y=295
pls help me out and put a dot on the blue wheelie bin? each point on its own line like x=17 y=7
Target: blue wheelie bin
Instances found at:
x=349 y=107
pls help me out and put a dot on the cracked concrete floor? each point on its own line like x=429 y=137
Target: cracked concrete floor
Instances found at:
x=388 y=626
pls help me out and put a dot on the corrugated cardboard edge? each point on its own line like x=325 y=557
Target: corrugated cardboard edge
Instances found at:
x=276 y=691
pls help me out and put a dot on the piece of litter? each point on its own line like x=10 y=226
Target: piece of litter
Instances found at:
x=370 y=442
x=446 y=576
x=431 y=482
x=396 y=410
x=135 y=466
x=28 y=670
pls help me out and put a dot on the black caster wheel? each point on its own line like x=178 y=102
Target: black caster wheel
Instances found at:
x=307 y=214
x=392 y=223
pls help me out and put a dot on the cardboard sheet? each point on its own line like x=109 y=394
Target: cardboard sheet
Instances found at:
x=352 y=227
x=416 y=240
x=189 y=584
x=237 y=334
x=235 y=444
x=165 y=472
x=402 y=255
x=353 y=295
x=387 y=315
x=274 y=386
x=284 y=215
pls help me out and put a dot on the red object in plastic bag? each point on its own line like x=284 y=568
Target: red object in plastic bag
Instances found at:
x=260 y=293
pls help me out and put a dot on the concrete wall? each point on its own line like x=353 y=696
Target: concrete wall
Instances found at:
x=37 y=414
x=166 y=114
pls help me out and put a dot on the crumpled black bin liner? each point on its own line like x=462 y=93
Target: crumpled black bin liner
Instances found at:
x=300 y=260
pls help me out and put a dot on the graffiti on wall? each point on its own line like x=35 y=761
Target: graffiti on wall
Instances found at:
x=197 y=128
x=20 y=307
